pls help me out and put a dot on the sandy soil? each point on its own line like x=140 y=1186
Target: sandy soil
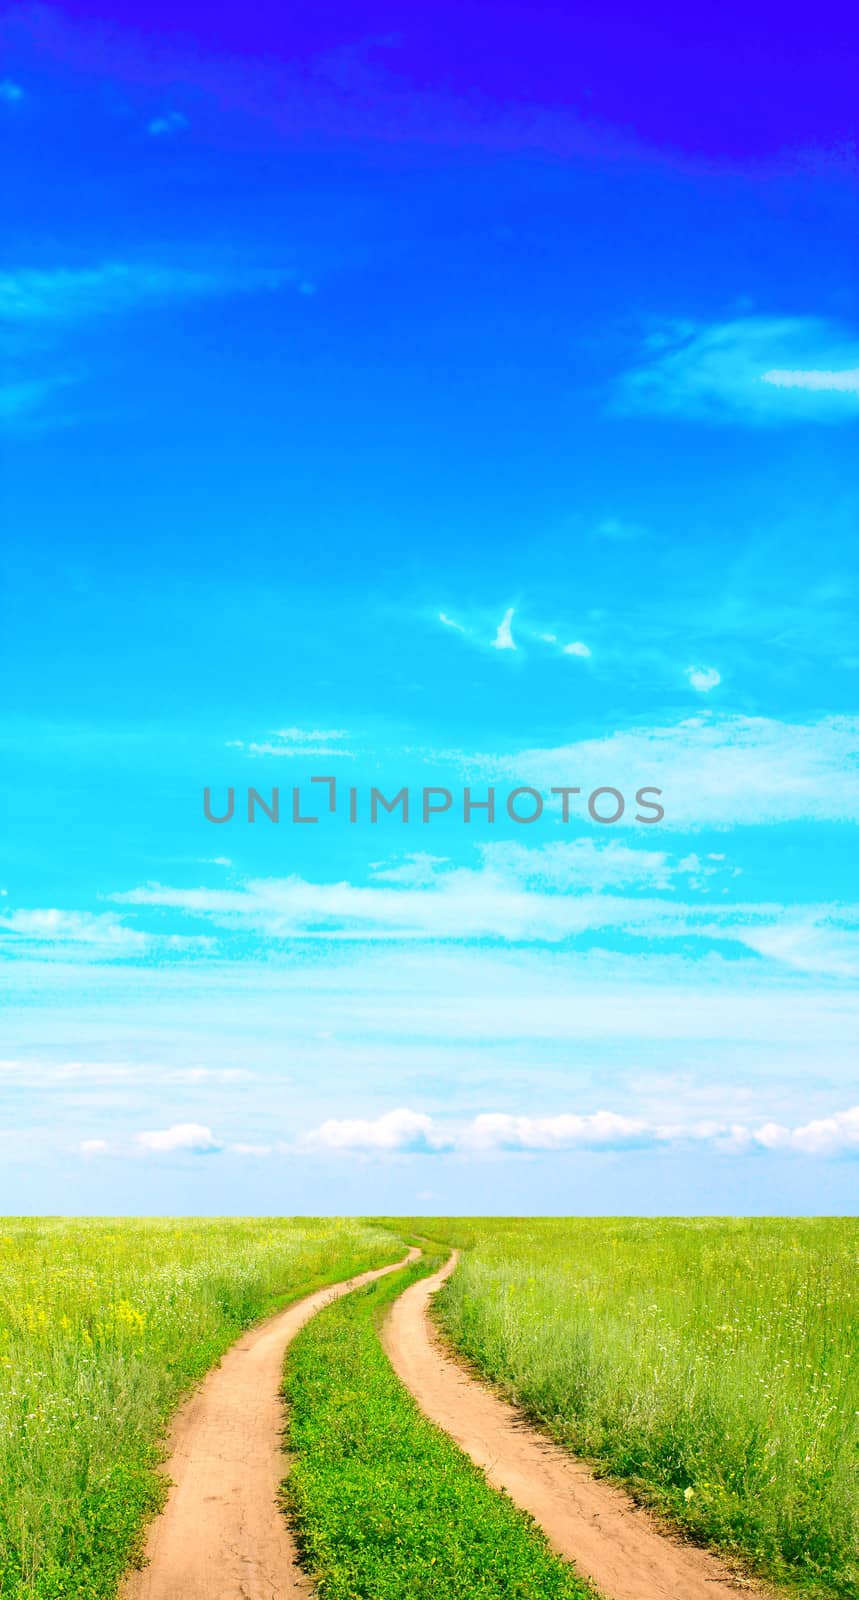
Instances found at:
x=615 y=1544
x=221 y=1535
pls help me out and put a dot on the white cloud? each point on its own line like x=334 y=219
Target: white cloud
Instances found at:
x=712 y=769
x=834 y=382
x=514 y=1028
x=504 y=637
x=93 y=1147
x=71 y=294
x=52 y=926
x=583 y=864
x=37 y=1073
x=703 y=678
x=295 y=742
x=310 y=735
x=399 y=1130
x=807 y=945
x=417 y=870
x=188 y=1136
x=206 y=1074
x=520 y=896
x=575 y=648
x=826 y=1136
x=415 y=1132
x=598 y=1130
x=86 y=936
x=169 y=122
x=714 y=372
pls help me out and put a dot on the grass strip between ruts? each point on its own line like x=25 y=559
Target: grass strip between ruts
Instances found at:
x=384 y=1505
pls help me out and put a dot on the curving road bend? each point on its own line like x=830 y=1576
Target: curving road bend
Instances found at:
x=222 y=1535
x=614 y=1543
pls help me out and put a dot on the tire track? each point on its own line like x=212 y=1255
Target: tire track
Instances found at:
x=222 y=1534
x=613 y=1542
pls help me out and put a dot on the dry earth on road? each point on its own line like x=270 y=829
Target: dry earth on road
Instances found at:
x=222 y=1534
x=613 y=1542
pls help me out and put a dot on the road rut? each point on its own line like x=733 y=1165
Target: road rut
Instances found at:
x=613 y=1542
x=222 y=1535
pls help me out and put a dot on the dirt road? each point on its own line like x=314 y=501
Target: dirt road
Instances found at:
x=612 y=1542
x=221 y=1535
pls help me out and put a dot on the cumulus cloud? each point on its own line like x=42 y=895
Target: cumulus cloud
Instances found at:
x=395 y=1131
x=414 y=1132
x=599 y=1130
x=826 y=1136
x=93 y=1147
x=703 y=678
x=191 y=1137
x=738 y=371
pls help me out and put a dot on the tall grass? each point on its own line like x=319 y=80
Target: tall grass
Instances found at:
x=103 y=1324
x=713 y=1365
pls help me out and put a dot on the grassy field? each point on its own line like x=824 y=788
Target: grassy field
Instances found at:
x=103 y=1325
x=713 y=1365
x=385 y=1506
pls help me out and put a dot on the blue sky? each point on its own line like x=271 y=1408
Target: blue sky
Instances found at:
x=376 y=411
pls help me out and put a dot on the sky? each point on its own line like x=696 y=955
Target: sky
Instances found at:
x=449 y=403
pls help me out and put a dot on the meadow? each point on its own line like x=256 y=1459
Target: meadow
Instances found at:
x=711 y=1365
x=103 y=1326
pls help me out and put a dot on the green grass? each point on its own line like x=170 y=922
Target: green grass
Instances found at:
x=712 y=1365
x=103 y=1326
x=384 y=1505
